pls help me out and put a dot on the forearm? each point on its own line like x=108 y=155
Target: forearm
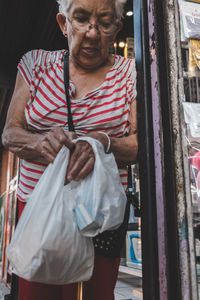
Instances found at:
x=125 y=149
x=25 y=144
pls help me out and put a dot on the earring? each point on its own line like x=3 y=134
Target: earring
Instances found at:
x=65 y=34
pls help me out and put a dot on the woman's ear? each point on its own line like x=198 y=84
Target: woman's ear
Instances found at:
x=61 y=19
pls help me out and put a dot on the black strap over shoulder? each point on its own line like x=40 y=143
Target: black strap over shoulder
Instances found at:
x=131 y=198
x=117 y=236
x=66 y=82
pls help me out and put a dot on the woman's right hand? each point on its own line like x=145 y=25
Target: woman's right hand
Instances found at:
x=51 y=142
x=26 y=144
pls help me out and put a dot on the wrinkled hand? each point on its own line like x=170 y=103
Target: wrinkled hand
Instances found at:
x=81 y=162
x=50 y=143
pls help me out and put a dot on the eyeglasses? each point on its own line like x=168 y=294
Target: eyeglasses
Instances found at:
x=82 y=24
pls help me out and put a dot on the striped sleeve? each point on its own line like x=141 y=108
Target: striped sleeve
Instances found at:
x=26 y=66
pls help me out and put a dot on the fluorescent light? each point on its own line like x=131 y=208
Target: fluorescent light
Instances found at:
x=129 y=13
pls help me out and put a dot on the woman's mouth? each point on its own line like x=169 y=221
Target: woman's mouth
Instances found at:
x=89 y=51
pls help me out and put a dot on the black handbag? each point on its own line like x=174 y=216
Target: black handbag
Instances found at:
x=108 y=243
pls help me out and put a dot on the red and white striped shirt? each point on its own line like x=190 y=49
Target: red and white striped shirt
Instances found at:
x=105 y=108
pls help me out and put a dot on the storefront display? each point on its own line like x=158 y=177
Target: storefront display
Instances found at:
x=192 y=134
x=190 y=22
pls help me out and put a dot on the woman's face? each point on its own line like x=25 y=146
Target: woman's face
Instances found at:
x=89 y=47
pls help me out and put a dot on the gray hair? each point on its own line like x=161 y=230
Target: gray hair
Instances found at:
x=64 y=6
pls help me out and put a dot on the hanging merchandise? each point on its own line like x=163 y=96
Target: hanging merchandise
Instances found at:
x=192 y=119
x=194 y=59
x=195 y=47
x=192 y=134
x=190 y=20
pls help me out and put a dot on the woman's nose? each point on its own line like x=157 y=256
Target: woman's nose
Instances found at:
x=93 y=32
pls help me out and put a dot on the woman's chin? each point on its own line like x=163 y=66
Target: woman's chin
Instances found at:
x=90 y=62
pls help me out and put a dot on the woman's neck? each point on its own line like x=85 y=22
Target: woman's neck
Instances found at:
x=85 y=80
x=81 y=69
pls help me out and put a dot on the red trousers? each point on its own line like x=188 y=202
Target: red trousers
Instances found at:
x=99 y=287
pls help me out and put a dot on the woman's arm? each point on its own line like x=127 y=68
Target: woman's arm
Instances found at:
x=24 y=143
x=125 y=150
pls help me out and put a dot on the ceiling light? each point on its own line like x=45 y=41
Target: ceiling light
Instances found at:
x=129 y=13
x=121 y=44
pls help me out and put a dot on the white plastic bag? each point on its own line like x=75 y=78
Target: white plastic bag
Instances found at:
x=192 y=119
x=100 y=198
x=47 y=245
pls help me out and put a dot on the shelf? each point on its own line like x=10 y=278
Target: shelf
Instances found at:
x=130 y=271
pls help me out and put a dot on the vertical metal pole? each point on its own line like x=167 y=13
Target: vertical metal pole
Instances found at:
x=172 y=250
x=146 y=154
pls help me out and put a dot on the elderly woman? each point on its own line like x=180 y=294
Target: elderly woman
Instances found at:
x=102 y=94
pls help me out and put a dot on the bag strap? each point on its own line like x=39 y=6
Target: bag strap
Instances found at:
x=66 y=83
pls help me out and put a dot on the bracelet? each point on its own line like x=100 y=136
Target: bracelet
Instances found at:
x=109 y=141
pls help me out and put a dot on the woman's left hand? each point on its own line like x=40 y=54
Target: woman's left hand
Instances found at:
x=81 y=162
